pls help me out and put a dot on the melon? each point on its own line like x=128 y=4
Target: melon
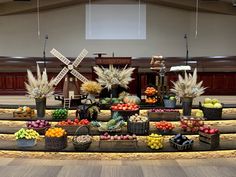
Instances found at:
x=132 y=99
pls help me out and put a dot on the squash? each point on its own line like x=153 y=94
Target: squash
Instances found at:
x=132 y=99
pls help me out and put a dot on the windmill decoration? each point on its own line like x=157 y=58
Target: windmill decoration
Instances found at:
x=70 y=87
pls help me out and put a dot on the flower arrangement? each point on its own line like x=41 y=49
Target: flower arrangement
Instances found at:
x=91 y=87
x=109 y=77
x=188 y=87
x=39 y=87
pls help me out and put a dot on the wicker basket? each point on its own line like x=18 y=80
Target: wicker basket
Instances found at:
x=54 y=143
x=30 y=114
x=138 y=128
x=180 y=147
x=82 y=130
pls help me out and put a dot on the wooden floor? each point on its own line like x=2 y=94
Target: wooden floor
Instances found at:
x=10 y=167
x=23 y=100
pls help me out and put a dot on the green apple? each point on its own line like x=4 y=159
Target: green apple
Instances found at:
x=214 y=101
x=172 y=98
x=217 y=105
x=199 y=113
x=208 y=105
x=207 y=100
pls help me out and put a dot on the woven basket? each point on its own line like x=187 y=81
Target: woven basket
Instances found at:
x=138 y=128
x=54 y=143
x=180 y=147
x=82 y=130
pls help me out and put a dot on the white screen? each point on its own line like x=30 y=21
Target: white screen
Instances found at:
x=115 y=21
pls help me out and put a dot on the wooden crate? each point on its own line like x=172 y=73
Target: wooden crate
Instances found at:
x=24 y=114
x=156 y=116
x=118 y=144
x=212 y=139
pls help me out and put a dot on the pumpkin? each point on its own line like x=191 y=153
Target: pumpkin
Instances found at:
x=132 y=99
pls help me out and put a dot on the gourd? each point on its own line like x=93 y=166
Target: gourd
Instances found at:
x=132 y=99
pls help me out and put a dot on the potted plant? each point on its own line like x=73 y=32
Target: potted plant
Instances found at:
x=112 y=78
x=39 y=88
x=187 y=89
x=169 y=101
x=26 y=137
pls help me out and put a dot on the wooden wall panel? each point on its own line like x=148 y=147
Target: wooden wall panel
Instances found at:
x=216 y=83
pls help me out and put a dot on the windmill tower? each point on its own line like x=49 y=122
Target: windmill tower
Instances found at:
x=70 y=87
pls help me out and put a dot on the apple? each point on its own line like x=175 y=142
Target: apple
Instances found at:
x=207 y=100
x=214 y=101
x=217 y=105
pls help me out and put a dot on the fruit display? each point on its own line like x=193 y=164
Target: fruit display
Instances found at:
x=138 y=118
x=155 y=141
x=60 y=114
x=212 y=109
x=199 y=113
x=125 y=107
x=181 y=142
x=23 y=109
x=210 y=136
x=208 y=130
x=151 y=100
x=150 y=91
x=37 y=124
x=211 y=103
x=169 y=101
x=164 y=126
x=133 y=99
x=163 y=110
x=75 y=122
x=55 y=132
x=191 y=124
x=106 y=136
x=26 y=134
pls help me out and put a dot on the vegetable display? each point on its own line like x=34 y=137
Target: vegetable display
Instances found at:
x=124 y=107
x=75 y=122
x=164 y=126
x=133 y=99
x=138 y=118
x=38 y=124
x=60 y=114
x=106 y=136
x=181 y=140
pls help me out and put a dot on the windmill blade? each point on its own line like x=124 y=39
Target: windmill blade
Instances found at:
x=80 y=57
x=60 y=56
x=60 y=76
x=79 y=76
